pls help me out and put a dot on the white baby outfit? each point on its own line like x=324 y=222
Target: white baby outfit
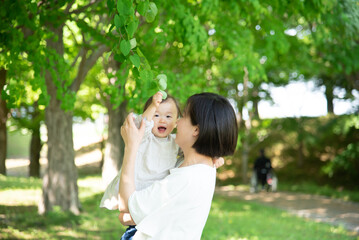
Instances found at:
x=155 y=157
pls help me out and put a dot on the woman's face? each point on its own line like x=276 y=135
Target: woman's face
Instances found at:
x=185 y=131
x=165 y=119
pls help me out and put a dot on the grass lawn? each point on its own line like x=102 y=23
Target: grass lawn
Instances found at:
x=228 y=219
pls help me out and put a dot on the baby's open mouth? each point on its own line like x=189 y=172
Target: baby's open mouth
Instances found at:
x=161 y=129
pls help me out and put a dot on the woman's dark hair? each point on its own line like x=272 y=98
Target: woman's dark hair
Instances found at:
x=215 y=117
x=149 y=101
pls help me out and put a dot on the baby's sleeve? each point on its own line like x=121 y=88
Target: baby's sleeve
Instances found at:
x=110 y=197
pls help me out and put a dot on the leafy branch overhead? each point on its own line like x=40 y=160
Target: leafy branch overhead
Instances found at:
x=127 y=15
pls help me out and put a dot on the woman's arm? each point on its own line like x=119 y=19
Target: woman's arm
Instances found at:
x=132 y=137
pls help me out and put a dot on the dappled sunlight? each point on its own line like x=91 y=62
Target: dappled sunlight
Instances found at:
x=92 y=157
x=309 y=212
x=224 y=175
x=20 y=197
x=20 y=166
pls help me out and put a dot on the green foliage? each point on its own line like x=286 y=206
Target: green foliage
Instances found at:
x=175 y=36
x=345 y=165
x=301 y=147
x=89 y=103
x=335 y=32
x=22 y=53
x=138 y=69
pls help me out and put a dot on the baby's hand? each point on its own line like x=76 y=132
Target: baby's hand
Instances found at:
x=157 y=99
x=218 y=162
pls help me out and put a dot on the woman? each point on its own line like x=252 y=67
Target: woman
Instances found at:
x=177 y=207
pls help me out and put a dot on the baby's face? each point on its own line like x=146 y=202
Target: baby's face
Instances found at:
x=165 y=119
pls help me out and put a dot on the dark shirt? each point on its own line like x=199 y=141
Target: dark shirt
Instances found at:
x=262 y=165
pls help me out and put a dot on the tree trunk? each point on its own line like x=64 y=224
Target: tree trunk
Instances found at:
x=60 y=179
x=300 y=139
x=247 y=124
x=114 y=144
x=3 y=118
x=300 y=161
x=256 y=100
x=35 y=149
x=330 y=98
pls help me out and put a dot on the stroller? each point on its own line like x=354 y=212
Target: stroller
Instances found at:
x=266 y=178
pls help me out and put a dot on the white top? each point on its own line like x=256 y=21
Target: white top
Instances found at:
x=176 y=207
x=155 y=157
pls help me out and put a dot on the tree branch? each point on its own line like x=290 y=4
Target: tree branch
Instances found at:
x=68 y=7
x=86 y=64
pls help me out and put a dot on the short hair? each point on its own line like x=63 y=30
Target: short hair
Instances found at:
x=216 y=119
x=149 y=101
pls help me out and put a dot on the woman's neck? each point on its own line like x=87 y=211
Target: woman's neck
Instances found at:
x=192 y=158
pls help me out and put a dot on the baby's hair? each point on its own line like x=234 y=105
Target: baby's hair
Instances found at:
x=149 y=101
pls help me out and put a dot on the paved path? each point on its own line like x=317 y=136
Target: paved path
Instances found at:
x=322 y=209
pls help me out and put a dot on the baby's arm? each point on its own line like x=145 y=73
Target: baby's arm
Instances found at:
x=150 y=111
x=126 y=219
x=218 y=162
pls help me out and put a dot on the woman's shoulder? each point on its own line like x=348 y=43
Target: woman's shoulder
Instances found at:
x=195 y=170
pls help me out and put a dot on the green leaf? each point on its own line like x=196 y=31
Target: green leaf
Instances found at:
x=133 y=43
x=33 y=8
x=117 y=21
x=164 y=94
x=124 y=7
x=135 y=59
x=151 y=12
x=110 y=5
x=142 y=7
x=145 y=62
x=146 y=75
x=162 y=81
x=132 y=27
x=135 y=73
x=119 y=58
x=125 y=47
x=139 y=52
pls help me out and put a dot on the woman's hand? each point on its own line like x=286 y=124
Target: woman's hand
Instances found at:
x=218 y=162
x=132 y=135
x=126 y=219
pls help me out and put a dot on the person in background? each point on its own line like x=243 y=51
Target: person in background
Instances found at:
x=262 y=167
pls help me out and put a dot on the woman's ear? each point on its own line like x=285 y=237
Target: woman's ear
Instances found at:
x=195 y=131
